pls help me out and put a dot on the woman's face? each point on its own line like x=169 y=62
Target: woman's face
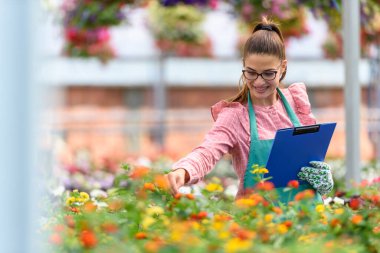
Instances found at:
x=262 y=73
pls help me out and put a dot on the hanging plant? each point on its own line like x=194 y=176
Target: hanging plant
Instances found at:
x=86 y=26
x=177 y=29
x=330 y=11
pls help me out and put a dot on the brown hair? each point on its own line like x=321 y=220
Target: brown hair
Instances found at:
x=266 y=38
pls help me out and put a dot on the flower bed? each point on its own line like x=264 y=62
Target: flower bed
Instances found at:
x=139 y=215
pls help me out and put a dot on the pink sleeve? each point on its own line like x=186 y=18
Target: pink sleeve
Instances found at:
x=218 y=141
x=301 y=101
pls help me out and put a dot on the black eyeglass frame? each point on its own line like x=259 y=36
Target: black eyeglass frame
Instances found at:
x=261 y=74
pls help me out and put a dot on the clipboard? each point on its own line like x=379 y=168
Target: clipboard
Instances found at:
x=294 y=148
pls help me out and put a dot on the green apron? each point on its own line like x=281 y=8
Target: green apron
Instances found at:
x=260 y=149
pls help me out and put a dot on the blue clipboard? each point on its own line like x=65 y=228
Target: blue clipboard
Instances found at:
x=294 y=148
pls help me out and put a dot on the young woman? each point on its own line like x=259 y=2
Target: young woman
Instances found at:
x=245 y=125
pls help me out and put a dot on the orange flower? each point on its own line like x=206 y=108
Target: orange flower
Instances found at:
x=55 y=239
x=154 y=245
x=190 y=196
x=88 y=239
x=178 y=195
x=140 y=236
x=222 y=217
x=306 y=194
x=265 y=186
x=334 y=223
x=115 y=205
x=161 y=182
x=149 y=186
x=69 y=219
x=109 y=227
x=277 y=210
x=376 y=200
x=356 y=219
x=89 y=207
x=293 y=184
x=244 y=234
x=139 y=172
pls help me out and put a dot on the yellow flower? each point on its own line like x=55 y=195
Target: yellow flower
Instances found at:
x=339 y=211
x=320 y=208
x=70 y=201
x=223 y=235
x=165 y=220
x=85 y=197
x=245 y=203
x=147 y=222
x=236 y=245
x=212 y=187
x=196 y=226
x=282 y=229
x=305 y=238
x=217 y=225
x=260 y=171
x=268 y=218
x=154 y=210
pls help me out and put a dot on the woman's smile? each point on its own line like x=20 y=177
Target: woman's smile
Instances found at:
x=261 y=89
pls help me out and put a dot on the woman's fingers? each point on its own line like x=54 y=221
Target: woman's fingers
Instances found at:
x=176 y=180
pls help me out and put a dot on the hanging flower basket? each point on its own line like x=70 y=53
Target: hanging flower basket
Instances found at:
x=86 y=24
x=177 y=30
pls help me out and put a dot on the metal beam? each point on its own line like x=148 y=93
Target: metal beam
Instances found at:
x=351 y=29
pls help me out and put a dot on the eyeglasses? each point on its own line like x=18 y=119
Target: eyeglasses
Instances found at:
x=266 y=75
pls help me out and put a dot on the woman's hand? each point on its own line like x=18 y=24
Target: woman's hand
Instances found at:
x=319 y=176
x=177 y=179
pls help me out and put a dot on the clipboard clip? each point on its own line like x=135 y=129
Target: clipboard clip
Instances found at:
x=306 y=129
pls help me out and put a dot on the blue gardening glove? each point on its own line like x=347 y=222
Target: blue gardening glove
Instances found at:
x=318 y=176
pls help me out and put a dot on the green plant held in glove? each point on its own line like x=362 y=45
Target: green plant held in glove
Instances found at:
x=319 y=176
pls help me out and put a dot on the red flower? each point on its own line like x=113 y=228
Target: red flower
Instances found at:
x=288 y=223
x=88 y=239
x=202 y=215
x=109 y=227
x=355 y=203
x=199 y=216
x=293 y=184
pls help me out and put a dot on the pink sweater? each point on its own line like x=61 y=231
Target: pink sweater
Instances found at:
x=231 y=133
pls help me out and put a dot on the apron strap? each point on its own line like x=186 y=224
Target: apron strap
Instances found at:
x=253 y=125
x=293 y=117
